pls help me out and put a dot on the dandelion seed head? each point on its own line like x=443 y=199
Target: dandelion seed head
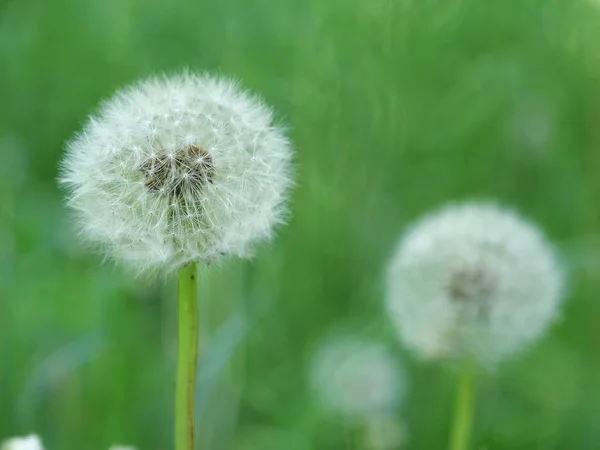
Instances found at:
x=178 y=169
x=473 y=279
x=31 y=442
x=356 y=377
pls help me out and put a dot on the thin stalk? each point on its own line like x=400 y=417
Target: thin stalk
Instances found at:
x=187 y=359
x=464 y=408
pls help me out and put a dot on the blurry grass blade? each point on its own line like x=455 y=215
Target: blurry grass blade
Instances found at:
x=55 y=367
x=216 y=357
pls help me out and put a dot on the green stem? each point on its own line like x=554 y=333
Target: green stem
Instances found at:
x=464 y=409
x=187 y=359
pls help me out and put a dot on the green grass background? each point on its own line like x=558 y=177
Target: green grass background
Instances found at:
x=394 y=107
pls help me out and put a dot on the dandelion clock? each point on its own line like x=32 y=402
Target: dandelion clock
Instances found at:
x=172 y=172
x=474 y=282
x=360 y=381
x=178 y=170
x=356 y=377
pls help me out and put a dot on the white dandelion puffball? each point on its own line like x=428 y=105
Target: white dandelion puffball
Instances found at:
x=121 y=447
x=473 y=279
x=31 y=442
x=178 y=169
x=356 y=377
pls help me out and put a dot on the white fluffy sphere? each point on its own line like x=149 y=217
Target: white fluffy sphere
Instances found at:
x=178 y=169
x=473 y=279
x=356 y=377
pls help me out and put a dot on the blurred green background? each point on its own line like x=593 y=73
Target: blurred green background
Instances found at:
x=395 y=107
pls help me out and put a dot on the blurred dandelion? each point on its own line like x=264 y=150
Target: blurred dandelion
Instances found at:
x=31 y=442
x=473 y=281
x=173 y=171
x=356 y=377
x=360 y=380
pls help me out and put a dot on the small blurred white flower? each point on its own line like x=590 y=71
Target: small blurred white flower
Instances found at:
x=473 y=279
x=356 y=377
x=121 y=447
x=31 y=442
x=178 y=169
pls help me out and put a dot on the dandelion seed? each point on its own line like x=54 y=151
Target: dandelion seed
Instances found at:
x=473 y=279
x=177 y=170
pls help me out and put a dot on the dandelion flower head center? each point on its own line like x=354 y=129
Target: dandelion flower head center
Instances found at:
x=175 y=172
x=472 y=284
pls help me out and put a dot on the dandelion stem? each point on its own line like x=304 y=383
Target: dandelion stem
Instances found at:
x=464 y=408
x=187 y=359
